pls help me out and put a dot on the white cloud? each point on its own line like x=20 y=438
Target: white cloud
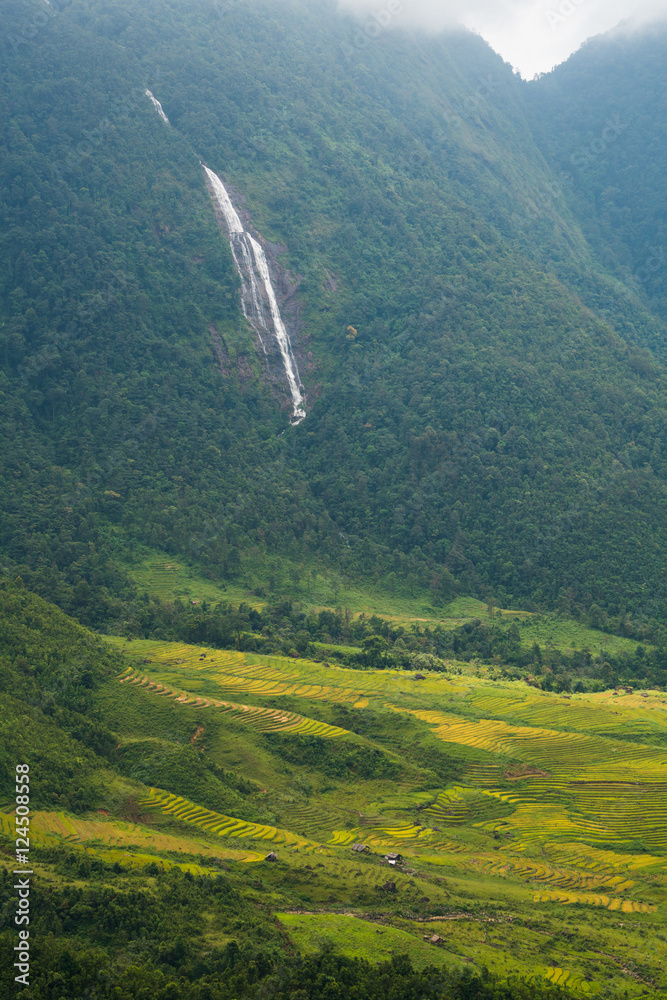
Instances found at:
x=532 y=35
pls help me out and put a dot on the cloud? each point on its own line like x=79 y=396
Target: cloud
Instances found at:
x=532 y=35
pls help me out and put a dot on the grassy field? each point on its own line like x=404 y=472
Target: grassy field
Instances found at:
x=485 y=936
x=519 y=814
x=358 y=938
x=169 y=579
x=532 y=826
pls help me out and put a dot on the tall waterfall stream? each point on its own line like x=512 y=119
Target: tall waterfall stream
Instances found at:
x=258 y=296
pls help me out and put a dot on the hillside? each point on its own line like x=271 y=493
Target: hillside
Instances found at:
x=477 y=422
x=414 y=643
x=606 y=112
x=529 y=826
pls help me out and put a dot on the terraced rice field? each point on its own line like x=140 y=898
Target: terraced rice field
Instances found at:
x=561 y=753
x=273 y=676
x=558 y=796
x=165 y=577
x=597 y=713
x=591 y=899
x=313 y=821
x=49 y=828
x=450 y=807
x=238 y=672
x=389 y=838
x=355 y=937
x=222 y=826
x=556 y=805
x=568 y=980
x=535 y=871
x=264 y=720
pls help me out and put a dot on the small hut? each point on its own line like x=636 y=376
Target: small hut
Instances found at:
x=361 y=848
x=271 y=857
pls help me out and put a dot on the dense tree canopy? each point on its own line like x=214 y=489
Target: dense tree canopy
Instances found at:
x=478 y=415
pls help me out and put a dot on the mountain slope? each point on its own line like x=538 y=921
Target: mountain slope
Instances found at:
x=162 y=774
x=472 y=414
x=600 y=117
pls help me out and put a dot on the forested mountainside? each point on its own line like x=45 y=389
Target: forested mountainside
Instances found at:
x=479 y=417
x=600 y=119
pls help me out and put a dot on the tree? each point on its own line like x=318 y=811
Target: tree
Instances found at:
x=374 y=652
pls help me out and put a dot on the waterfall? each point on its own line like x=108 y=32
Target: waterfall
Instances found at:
x=258 y=297
x=158 y=107
x=258 y=292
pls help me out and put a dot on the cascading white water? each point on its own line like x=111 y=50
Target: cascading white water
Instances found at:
x=224 y=203
x=158 y=107
x=282 y=337
x=251 y=300
x=257 y=287
x=253 y=269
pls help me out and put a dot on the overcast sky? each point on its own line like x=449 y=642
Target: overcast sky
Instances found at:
x=532 y=35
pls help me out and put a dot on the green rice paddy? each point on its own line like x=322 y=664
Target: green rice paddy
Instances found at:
x=531 y=827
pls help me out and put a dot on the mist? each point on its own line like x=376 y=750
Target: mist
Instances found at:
x=532 y=35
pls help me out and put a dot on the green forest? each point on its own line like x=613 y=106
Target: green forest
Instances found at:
x=438 y=599
x=491 y=425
